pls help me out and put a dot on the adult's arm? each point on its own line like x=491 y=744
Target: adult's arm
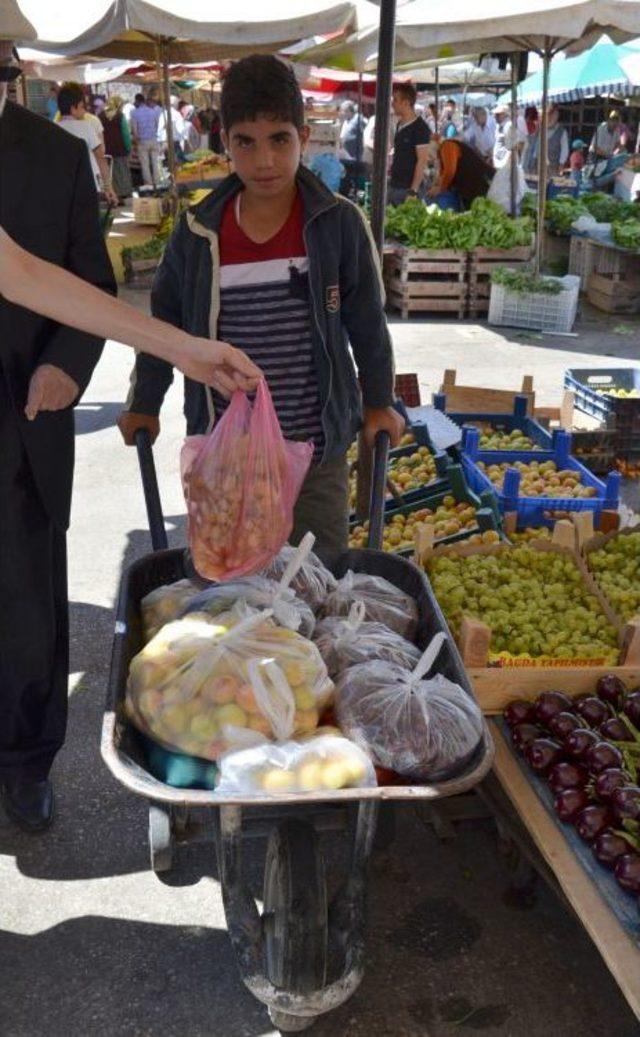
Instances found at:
x=55 y=293
x=75 y=352
x=422 y=158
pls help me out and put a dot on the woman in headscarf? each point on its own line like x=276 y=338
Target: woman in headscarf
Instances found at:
x=117 y=144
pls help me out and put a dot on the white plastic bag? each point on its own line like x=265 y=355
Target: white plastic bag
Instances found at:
x=383 y=603
x=165 y=604
x=205 y=686
x=423 y=729
x=347 y=642
x=500 y=190
x=310 y=580
x=258 y=593
x=316 y=765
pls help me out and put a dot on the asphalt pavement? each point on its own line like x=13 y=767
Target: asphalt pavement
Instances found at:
x=92 y=944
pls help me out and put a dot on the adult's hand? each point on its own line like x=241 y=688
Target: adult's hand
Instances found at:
x=129 y=422
x=383 y=419
x=50 y=389
x=217 y=364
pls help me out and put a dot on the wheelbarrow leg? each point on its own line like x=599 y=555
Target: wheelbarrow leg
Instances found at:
x=282 y=956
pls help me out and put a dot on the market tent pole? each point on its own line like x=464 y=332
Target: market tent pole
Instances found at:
x=383 y=118
x=436 y=95
x=514 y=124
x=360 y=130
x=543 y=151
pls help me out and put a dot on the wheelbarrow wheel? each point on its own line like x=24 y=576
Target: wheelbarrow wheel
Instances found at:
x=160 y=838
x=295 y=916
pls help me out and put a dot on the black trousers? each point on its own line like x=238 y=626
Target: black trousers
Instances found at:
x=34 y=623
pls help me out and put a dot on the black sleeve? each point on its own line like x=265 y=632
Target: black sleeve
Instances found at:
x=421 y=132
x=75 y=352
x=151 y=377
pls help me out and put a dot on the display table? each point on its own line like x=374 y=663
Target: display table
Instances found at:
x=619 y=951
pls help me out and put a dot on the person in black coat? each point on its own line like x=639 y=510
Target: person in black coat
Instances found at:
x=48 y=206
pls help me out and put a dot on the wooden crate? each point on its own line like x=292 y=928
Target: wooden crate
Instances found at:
x=496 y=686
x=426 y=280
x=482 y=263
x=472 y=399
x=614 y=293
x=614 y=261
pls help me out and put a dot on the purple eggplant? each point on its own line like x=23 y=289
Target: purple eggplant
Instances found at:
x=611 y=690
x=608 y=781
x=542 y=754
x=625 y=803
x=578 y=742
x=608 y=846
x=593 y=820
x=602 y=756
x=549 y=704
x=593 y=711
x=519 y=712
x=627 y=871
x=563 y=724
x=565 y=775
x=614 y=730
x=569 y=803
x=522 y=734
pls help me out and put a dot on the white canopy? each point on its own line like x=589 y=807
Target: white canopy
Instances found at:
x=192 y=29
x=425 y=30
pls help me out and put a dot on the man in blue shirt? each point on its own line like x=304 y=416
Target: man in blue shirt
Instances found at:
x=144 y=130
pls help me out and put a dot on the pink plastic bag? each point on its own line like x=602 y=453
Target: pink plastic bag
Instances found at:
x=241 y=483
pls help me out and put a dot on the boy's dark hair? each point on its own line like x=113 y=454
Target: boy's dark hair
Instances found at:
x=261 y=85
x=69 y=95
x=406 y=90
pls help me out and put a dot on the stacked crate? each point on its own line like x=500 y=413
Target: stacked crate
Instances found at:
x=426 y=280
x=482 y=263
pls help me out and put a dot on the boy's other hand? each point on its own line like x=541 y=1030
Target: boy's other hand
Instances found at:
x=383 y=419
x=129 y=423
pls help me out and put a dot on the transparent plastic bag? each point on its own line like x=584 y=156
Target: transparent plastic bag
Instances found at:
x=383 y=602
x=204 y=686
x=315 y=765
x=165 y=604
x=241 y=483
x=346 y=642
x=423 y=729
x=311 y=582
x=259 y=592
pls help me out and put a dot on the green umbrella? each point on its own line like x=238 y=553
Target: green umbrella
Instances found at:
x=599 y=71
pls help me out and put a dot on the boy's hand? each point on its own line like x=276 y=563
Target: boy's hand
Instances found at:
x=383 y=419
x=129 y=423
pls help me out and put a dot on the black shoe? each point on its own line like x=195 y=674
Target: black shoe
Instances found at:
x=30 y=804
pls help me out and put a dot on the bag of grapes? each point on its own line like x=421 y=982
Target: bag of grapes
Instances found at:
x=310 y=578
x=347 y=642
x=241 y=482
x=426 y=729
x=383 y=603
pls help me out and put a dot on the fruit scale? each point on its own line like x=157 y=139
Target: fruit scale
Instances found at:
x=304 y=955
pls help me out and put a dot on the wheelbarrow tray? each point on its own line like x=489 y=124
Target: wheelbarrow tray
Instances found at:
x=119 y=744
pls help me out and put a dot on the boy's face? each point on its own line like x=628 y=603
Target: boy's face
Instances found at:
x=265 y=154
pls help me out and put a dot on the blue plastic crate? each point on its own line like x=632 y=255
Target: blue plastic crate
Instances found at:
x=534 y=511
x=585 y=381
x=439 y=485
x=519 y=419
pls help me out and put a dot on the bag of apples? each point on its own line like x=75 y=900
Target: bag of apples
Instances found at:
x=205 y=685
x=241 y=483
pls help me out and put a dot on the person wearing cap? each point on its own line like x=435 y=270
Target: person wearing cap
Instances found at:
x=576 y=158
x=606 y=140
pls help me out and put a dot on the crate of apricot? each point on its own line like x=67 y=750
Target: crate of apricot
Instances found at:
x=542 y=486
x=449 y=516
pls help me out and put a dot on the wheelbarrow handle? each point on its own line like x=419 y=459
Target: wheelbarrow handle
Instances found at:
x=378 y=490
x=149 y=477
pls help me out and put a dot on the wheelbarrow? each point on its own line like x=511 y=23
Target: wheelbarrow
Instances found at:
x=304 y=954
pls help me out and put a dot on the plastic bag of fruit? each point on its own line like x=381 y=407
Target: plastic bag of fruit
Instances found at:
x=204 y=686
x=258 y=593
x=241 y=483
x=164 y=604
x=423 y=729
x=347 y=642
x=319 y=764
x=383 y=603
x=310 y=580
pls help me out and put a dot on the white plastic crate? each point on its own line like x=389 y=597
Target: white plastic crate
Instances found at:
x=536 y=311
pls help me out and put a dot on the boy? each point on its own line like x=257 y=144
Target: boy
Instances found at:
x=282 y=268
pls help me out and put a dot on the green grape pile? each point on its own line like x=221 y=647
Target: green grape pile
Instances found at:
x=535 y=603
x=616 y=566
